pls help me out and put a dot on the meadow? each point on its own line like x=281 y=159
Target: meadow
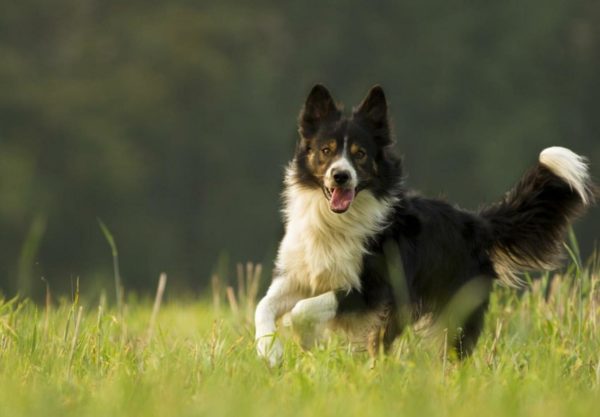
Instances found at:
x=538 y=356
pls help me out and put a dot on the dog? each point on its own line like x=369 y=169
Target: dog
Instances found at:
x=349 y=219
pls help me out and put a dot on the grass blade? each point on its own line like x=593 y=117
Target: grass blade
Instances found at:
x=115 y=255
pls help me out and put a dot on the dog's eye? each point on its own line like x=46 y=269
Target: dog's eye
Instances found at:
x=326 y=151
x=360 y=154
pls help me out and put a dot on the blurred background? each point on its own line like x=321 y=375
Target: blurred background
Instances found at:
x=172 y=121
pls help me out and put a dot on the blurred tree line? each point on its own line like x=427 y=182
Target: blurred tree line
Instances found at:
x=172 y=121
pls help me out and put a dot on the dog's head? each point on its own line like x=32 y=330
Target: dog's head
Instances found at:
x=344 y=155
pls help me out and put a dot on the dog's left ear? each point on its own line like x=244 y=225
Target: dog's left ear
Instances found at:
x=373 y=111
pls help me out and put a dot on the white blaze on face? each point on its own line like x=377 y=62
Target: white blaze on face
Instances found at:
x=343 y=163
x=341 y=196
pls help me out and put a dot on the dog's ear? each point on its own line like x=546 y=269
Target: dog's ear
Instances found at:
x=319 y=107
x=373 y=111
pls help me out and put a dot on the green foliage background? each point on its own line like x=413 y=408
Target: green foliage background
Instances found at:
x=172 y=121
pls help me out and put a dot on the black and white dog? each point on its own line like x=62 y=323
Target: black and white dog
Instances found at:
x=347 y=215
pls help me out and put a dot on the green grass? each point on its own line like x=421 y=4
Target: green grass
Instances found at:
x=536 y=357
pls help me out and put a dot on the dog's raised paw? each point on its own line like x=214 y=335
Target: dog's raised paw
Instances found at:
x=300 y=314
x=313 y=311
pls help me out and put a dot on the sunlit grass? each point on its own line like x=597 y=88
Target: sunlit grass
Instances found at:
x=538 y=356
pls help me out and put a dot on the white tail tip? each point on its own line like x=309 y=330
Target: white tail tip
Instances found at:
x=570 y=167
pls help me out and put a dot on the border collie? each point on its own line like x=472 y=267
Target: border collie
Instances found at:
x=362 y=253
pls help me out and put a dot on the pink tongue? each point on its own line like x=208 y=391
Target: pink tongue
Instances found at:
x=341 y=199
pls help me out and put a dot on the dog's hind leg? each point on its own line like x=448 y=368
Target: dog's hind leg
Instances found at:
x=463 y=316
x=468 y=334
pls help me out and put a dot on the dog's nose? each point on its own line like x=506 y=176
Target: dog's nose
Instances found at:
x=341 y=177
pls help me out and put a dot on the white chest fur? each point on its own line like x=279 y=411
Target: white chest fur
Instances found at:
x=322 y=250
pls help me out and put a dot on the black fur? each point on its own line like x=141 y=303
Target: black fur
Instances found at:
x=529 y=224
x=440 y=249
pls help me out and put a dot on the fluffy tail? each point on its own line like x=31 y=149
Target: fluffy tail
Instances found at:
x=528 y=226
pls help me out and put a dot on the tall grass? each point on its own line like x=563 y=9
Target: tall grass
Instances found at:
x=539 y=355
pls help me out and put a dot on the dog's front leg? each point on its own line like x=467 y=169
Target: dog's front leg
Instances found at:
x=369 y=323
x=326 y=306
x=280 y=298
x=309 y=315
x=315 y=310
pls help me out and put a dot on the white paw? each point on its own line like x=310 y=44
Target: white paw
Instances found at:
x=314 y=311
x=270 y=348
x=301 y=314
x=286 y=320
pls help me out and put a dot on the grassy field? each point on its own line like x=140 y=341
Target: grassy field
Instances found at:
x=539 y=356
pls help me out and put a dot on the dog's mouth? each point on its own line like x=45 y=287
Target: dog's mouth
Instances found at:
x=340 y=198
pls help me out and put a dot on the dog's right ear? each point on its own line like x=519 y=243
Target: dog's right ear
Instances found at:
x=319 y=107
